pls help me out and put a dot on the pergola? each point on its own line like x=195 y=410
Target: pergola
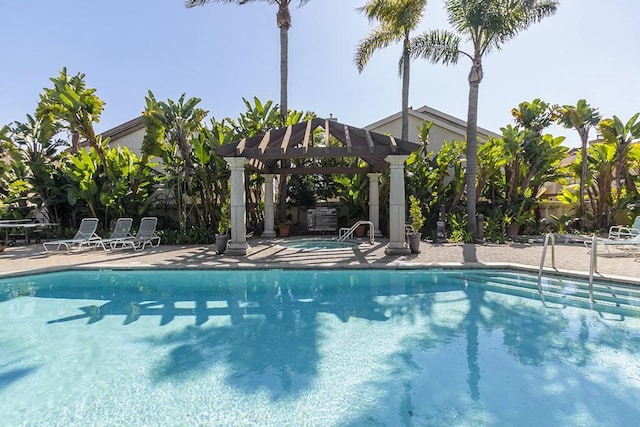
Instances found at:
x=266 y=153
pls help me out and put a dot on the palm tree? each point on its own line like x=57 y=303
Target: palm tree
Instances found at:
x=283 y=19
x=581 y=117
x=396 y=20
x=487 y=24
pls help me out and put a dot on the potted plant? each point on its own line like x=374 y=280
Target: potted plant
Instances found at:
x=417 y=221
x=515 y=217
x=284 y=228
x=224 y=222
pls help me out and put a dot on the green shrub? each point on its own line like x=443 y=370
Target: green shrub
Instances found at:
x=459 y=232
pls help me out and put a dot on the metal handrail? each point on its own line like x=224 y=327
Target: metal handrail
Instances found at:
x=593 y=264
x=346 y=233
x=550 y=237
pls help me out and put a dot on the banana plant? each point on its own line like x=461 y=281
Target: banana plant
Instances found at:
x=83 y=182
x=171 y=128
x=622 y=136
x=437 y=179
x=74 y=107
x=132 y=184
x=37 y=143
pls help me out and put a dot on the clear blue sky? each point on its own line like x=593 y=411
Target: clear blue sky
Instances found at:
x=221 y=53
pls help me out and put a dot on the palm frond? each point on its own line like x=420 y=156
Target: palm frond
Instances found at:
x=377 y=39
x=194 y=3
x=488 y=24
x=437 y=46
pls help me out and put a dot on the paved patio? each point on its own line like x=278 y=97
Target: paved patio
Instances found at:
x=570 y=257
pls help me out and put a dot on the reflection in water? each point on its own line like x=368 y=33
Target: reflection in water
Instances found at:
x=473 y=322
x=421 y=348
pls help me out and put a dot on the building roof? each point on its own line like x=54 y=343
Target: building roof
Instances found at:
x=438 y=118
x=124 y=129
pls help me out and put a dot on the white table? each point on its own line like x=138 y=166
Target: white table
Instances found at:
x=27 y=226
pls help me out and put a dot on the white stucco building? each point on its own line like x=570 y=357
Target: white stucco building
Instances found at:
x=445 y=127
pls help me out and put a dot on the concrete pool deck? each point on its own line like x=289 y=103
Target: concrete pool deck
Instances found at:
x=266 y=253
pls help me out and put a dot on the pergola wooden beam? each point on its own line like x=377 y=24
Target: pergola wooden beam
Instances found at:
x=316 y=170
x=285 y=140
x=394 y=144
x=367 y=135
x=240 y=147
x=347 y=138
x=266 y=151
x=265 y=141
x=326 y=134
x=307 y=134
x=320 y=152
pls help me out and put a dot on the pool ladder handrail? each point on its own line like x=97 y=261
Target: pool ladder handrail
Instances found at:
x=347 y=233
x=593 y=264
x=550 y=237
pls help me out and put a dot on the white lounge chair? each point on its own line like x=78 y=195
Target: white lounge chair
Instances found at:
x=624 y=245
x=625 y=232
x=121 y=231
x=86 y=233
x=146 y=235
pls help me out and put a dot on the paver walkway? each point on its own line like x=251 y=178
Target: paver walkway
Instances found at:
x=268 y=254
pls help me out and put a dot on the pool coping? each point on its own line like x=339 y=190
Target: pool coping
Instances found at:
x=608 y=278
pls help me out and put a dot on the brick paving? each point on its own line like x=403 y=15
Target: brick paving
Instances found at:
x=571 y=257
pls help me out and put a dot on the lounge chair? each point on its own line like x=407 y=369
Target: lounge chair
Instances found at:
x=146 y=235
x=86 y=233
x=625 y=232
x=624 y=245
x=121 y=231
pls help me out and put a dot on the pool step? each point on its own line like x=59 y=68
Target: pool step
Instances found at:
x=620 y=300
x=564 y=286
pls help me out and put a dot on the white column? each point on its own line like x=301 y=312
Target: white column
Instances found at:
x=397 y=242
x=238 y=243
x=374 y=201
x=269 y=215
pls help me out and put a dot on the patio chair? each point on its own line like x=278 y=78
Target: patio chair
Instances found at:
x=121 y=231
x=624 y=245
x=625 y=232
x=146 y=235
x=86 y=233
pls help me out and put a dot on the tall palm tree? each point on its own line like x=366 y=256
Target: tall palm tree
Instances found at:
x=581 y=117
x=283 y=19
x=487 y=24
x=396 y=19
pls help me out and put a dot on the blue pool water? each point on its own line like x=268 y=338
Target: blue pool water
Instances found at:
x=317 y=244
x=310 y=347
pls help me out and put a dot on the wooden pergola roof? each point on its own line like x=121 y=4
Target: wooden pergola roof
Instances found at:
x=264 y=151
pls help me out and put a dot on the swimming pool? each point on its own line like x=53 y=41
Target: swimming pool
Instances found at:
x=317 y=244
x=315 y=347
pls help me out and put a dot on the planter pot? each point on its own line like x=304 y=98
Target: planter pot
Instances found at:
x=414 y=242
x=360 y=230
x=512 y=230
x=221 y=243
x=284 y=230
x=1 y=248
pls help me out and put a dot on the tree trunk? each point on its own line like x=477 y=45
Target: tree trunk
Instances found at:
x=75 y=142
x=475 y=76
x=583 y=178
x=284 y=22
x=406 y=61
